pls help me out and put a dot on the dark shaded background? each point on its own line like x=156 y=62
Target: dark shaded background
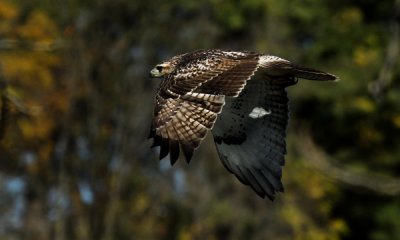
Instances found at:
x=76 y=104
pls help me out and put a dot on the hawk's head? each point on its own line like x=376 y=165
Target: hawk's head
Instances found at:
x=166 y=67
x=162 y=69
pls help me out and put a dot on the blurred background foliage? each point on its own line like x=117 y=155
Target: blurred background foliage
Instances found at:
x=76 y=104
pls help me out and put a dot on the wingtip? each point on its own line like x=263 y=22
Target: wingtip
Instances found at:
x=174 y=151
x=327 y=77
x=187 y=151
x=337 y=79
x=164 y=148
x=157 y=140
x=271 y=198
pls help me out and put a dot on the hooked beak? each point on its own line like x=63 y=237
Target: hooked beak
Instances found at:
x=155 y=73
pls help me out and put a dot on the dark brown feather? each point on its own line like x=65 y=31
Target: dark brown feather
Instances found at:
x=174 y=151
x=188 y=150
x=164 y=148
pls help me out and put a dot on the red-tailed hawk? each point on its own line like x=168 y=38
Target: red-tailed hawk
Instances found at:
x=247 y=91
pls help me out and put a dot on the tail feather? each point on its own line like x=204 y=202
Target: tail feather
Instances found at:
x=311 y=74
x=279 y=67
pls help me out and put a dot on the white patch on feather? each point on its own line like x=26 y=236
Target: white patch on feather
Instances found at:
x=265 y=59
x=234 y=54
x=259 y=112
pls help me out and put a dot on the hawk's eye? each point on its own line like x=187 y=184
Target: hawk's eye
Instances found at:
x=159 y=68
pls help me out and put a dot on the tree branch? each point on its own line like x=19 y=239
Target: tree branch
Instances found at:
x=379 y=86
x=323 y=162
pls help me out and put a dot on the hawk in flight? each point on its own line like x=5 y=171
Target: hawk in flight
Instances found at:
x=241 y=98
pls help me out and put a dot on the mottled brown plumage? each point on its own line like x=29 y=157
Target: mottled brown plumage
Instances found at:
x=250 y=131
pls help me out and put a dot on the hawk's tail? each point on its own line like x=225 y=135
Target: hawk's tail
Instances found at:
x=310 y=74
x=277 y=67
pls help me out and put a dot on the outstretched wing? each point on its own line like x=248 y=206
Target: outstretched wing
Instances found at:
x=211 y=71
x=250 y=135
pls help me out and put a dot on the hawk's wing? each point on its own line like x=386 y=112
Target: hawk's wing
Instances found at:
x=189 y=100
x=250 y=135
x=215 y=72
x=183 y=122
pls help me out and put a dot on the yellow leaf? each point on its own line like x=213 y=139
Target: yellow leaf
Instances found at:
x=338 y=225
x=38 y=26
x=363 y=104
x=349 y=16
x=7 y=11
x=36 y=128
x=396 y=121
x=363 y=56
